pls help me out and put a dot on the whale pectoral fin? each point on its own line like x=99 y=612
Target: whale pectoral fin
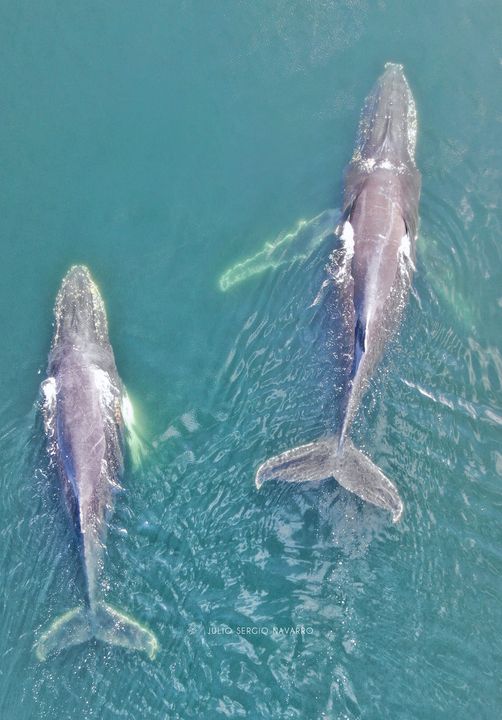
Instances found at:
x=354 y=471
x=306 y=463
x=344 y=217
x=287 y=248
x=321 y=293
x=137 y=446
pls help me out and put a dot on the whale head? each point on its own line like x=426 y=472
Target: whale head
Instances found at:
x=388 y=127
x=79 y=310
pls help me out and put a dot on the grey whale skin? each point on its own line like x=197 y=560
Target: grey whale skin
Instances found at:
x=378 y=230
x=83 y=405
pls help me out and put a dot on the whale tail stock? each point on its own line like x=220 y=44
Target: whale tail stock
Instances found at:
x=323 y=459
x=102 y=622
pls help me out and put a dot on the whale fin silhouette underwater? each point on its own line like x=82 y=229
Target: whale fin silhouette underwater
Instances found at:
x=287 y=248
x=86 y=411
x=378 y=229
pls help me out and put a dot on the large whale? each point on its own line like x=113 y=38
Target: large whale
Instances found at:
x=378 y=232
x=85 y=407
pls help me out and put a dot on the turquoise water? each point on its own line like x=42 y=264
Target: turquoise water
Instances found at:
x=161 y=144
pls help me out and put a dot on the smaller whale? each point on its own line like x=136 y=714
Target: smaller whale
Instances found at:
x=378 y=231
x=85 y=407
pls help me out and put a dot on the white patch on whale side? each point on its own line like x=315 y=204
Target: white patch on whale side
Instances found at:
x=106 y=389
x=405 y=253
x=340 y=259
x=405 y=246
x=348 y=239
x=49 y=391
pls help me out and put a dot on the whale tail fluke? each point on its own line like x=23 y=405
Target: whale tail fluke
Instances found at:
x=323 y=459
x=104 y=623
x=71 y=628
